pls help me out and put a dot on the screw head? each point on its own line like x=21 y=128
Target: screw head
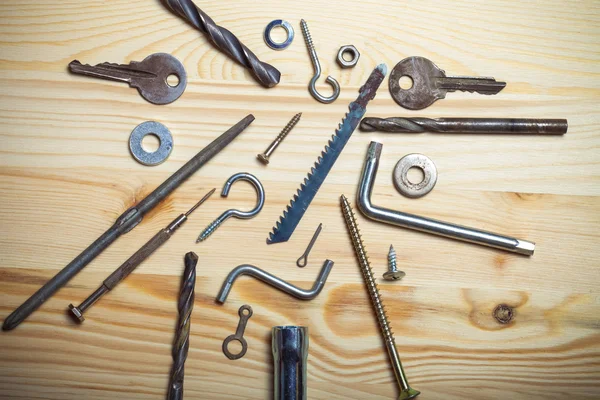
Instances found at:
x=76 y=312
x=263 y=158
x=393 y=275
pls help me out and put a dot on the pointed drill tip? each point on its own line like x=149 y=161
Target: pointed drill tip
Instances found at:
x=392 y=248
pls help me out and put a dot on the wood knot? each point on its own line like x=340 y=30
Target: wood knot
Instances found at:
x=503 y=313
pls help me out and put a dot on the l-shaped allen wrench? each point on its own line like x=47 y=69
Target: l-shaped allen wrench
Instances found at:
x=423 y=224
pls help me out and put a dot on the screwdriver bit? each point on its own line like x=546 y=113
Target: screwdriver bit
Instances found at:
x=227 y=42
x=181 y=343
x=466 y=125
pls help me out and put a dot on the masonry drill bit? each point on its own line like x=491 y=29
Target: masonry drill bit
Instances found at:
x=466 y=125
x=226 y=41
x=181 y=343
x=134 y=261
x=124 y=223
x=406 y=392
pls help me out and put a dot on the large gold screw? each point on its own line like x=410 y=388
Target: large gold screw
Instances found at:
x=406 y=392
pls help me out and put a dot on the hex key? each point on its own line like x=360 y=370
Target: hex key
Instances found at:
x=278 y=283
x=411 y=221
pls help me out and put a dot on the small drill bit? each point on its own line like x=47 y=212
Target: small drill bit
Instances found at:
x=134 y=261
x=466 y=125
x=264 y=157
x=265 y=74
x=406 y=392
x=392 y=274
x=181 y=343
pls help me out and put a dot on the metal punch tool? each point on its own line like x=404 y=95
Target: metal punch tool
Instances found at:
x=260 y=192
x=423 y=224
x=126 y=222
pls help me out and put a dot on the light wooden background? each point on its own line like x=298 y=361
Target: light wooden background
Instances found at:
x=66 y=174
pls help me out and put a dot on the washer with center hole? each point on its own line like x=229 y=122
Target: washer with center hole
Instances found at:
x=400 y=175
x=288 y=28
x=164 y=148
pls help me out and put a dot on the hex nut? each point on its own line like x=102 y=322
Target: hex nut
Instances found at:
x=352 y=51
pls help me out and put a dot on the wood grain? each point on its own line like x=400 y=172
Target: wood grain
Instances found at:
x=66 y=174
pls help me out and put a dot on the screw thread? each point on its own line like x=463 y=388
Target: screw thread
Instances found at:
x=290 y=125
x=306 y=34
x=392 y=264
x=209 y=230
x=367 y=272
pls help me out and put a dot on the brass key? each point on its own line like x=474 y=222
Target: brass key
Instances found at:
x=149 y=76
x=430 y=83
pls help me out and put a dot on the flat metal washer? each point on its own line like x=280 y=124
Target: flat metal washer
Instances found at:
x=150 y=128
x=288 y=28
x=400 y=175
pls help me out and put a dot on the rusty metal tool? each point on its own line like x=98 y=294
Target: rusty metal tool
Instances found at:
x=430 y=83
x=406 y=392
x=227 y=42
x=276 y=282
x=303 y=259
x=423 y=224
x=181 y=344
x=294 y=212
x=126 y=222
x=245 y=312
x=134 y=261
x=149 y=76
x=518 y=126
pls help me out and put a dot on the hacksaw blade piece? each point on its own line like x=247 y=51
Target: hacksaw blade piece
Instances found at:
x=293 y=213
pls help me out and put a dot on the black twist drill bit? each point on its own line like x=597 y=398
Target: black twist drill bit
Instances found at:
x=466 y=125
x=226 y=41
x=181 y=343
x=126 y=222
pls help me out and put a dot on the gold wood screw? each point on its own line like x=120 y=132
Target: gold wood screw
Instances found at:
x=406 y=392
x=264 y=157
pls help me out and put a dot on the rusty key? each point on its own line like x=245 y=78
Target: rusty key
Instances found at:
x=149 y=76
x=430 y=83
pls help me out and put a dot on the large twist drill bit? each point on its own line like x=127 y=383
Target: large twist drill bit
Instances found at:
x=226 y=41
x=181 y=343
x=466 y=125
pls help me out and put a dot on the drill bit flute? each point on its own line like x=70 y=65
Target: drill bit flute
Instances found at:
x=466 y=125
x=134 y=261
x=181 y=343
x=227 y=42
x=126 y=222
